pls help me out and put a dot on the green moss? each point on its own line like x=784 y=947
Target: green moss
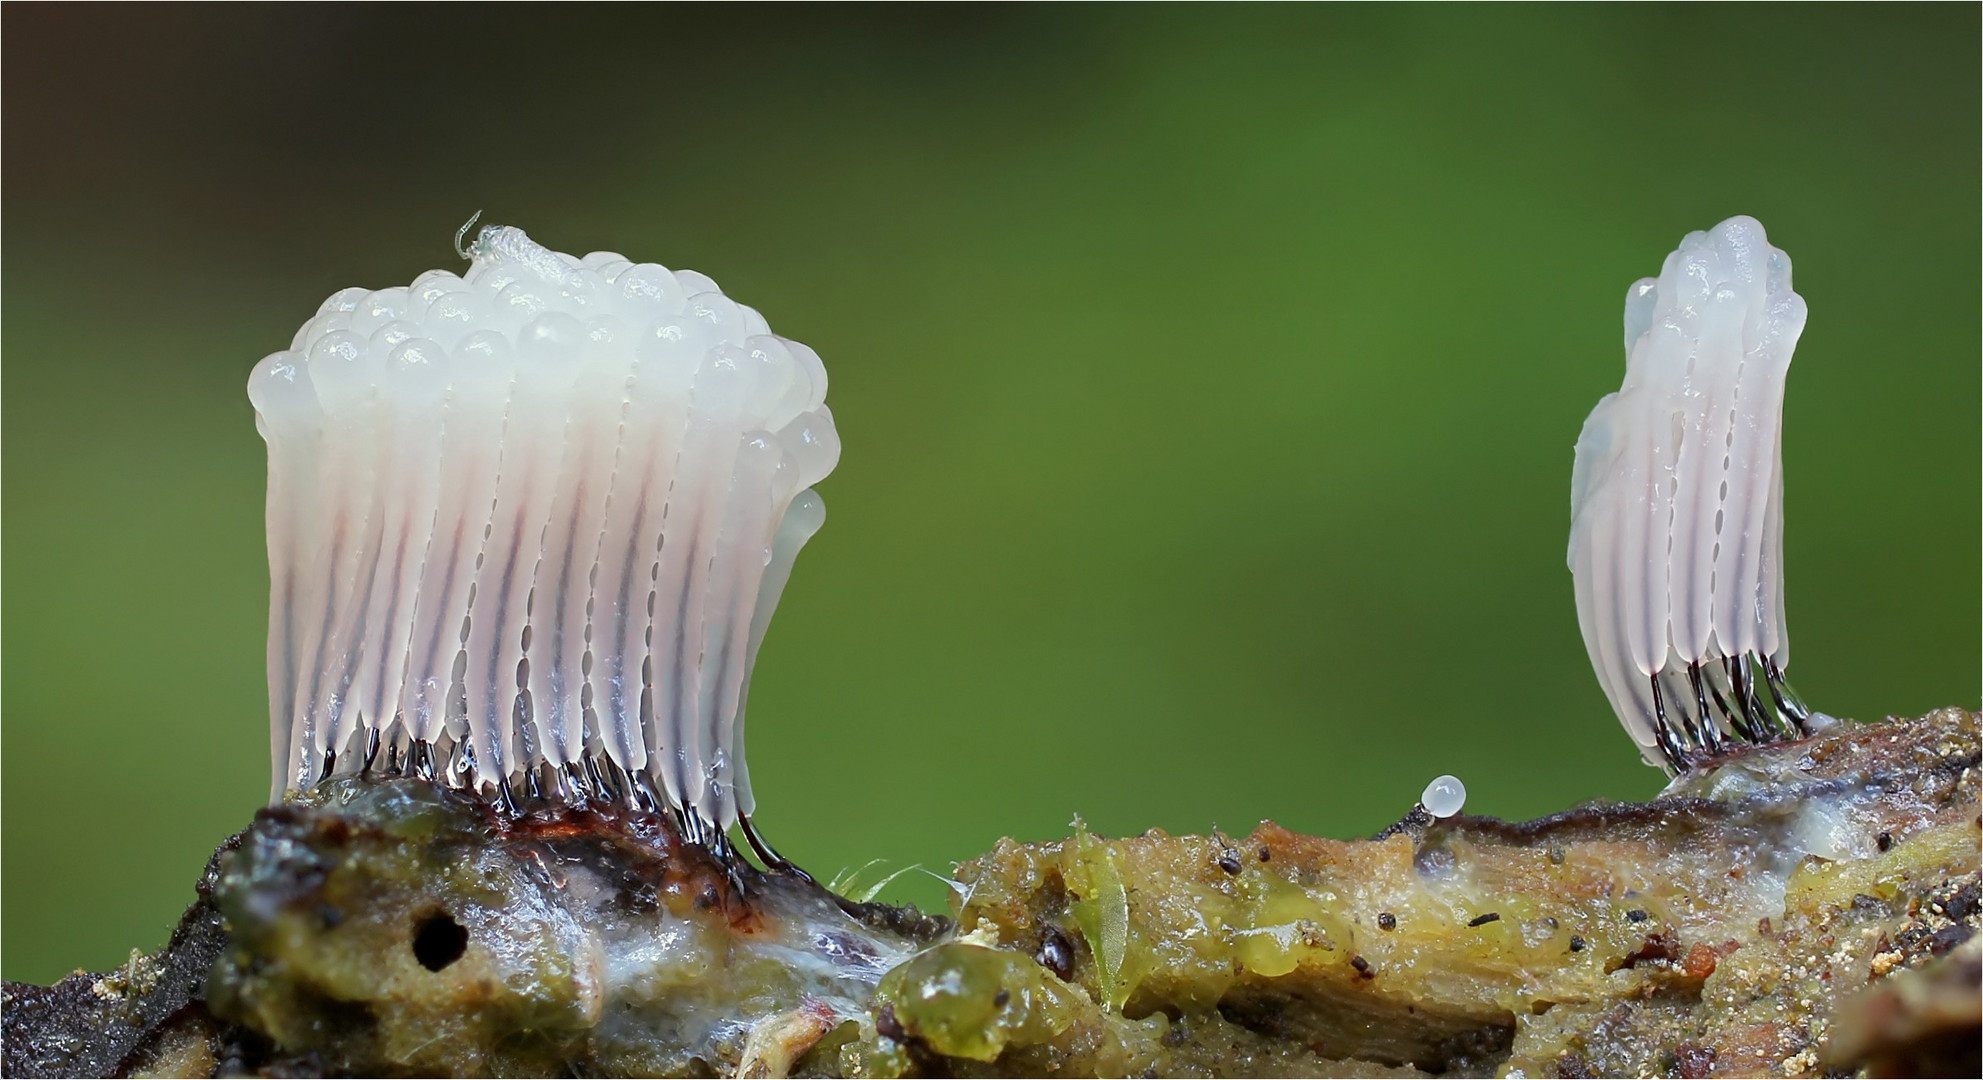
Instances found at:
x=1122 y=957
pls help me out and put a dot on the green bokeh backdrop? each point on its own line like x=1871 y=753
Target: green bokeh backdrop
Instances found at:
x=1207 y=376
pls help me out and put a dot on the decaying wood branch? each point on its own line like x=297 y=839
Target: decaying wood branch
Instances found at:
x=1792 y=909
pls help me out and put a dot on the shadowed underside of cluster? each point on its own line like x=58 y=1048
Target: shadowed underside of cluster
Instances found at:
x=527 y=525
x=1676 y=540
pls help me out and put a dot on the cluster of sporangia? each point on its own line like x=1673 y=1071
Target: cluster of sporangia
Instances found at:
x=527 y=525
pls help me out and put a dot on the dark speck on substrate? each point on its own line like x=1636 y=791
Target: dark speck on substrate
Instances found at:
x=1056 y=953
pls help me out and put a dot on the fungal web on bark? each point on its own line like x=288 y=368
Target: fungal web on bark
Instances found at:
x=1676 y=504
x=527 y=526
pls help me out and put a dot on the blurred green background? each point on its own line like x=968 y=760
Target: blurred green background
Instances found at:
x=1208 y=379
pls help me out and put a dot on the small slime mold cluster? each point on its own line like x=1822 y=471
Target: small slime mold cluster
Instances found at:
x=527 y=526
x=1676 y=504
x=1444 y=796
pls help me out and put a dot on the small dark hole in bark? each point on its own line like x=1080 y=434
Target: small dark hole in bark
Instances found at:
x=439 y=941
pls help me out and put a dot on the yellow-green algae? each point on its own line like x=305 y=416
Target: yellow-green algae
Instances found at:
x=972 y=1002
x=1472 y=945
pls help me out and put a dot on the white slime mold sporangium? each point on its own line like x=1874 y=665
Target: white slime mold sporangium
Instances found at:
x=1444 y=796
x=1676 y=503
x=526 y=527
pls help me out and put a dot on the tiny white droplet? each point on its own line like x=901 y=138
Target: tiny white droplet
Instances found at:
x=1444 y=797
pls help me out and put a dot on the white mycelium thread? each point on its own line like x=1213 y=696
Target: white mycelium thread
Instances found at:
x=1676 y=503
x=527 y=526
